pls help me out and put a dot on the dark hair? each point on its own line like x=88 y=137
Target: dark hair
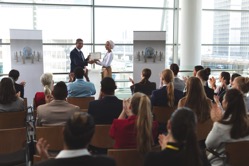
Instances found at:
x=14 y=74
x=146 y=73
x=183 y=128
x=7 y=91
x=60 y=91
x=175 y=68
x=235 y=114
x=234 y=75
x=198 y=67
x=226 y=76
x=79 y=72
x=78 y=40
x=204 y=74
x=197 y=100
x=108 y=86
x=79 y=130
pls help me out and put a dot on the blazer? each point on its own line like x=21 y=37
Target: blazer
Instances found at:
x=159 y=97
x=77 y=60
x=78 y=161
x=57 y=112
x=105 y=110
x=209 y=92
x=19 y=88
x=143 y=88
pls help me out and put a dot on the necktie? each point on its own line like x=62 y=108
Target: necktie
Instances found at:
x=81 y=55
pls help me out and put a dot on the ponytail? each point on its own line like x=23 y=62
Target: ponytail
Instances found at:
x=170 y=94
x=47 y=90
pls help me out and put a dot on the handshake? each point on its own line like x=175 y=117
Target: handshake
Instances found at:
x=94 y=57
x=91 y=61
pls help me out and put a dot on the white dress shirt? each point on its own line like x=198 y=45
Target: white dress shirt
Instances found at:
x=72 y=153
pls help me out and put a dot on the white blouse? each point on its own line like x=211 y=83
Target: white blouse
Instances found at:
x=107 y=60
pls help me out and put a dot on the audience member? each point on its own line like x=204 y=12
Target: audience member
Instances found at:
x=9 y=101
x=14 y=74
x=242 y=84
x=234 y=75
x=166 y=95
x=57 y=111
x=46 y=96
x=234 y=126
x=196 y=99
x=77 y=134
x=109 y=106
x=203 y=75
x=80 y=88
x=178 y=83
x=179 y=146
x=196 y=69
x=144 y=86
x=134 y=127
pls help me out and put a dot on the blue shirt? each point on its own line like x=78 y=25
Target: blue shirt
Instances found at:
x=80 y=88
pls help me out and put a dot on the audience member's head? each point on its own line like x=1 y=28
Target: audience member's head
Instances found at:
x=167 y=77
x=196 y=99
x=197 y=68
x=141 y=106
x=203 y=74
x=60 y=91
x=78 y=131
x=224 y=78
x=14 y=74
x=235 y=113
x=146 y=73
x=175 y=68
x=108 y=86
x=234 y=75
x=242 y=84
x=182 y=126
x=78 y=73
x=7 y=91
x=47 y=80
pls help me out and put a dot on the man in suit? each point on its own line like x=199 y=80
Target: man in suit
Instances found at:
x=77 y=134
x=178 y=83
x=109 y=106
x=14 y=74
x=58 y=110
x=78 y=60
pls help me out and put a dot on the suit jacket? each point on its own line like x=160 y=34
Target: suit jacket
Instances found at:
x=19 y=88
x=105 y=110
x=159 y=96
x=144 y=88
x=57 y=112
x=209 y=92
x=77 y=60
x=78 y=161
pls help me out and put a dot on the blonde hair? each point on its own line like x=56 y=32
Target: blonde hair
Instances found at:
x=47 y=80
x=243 y=83
x=167 y=76
x=141 y=106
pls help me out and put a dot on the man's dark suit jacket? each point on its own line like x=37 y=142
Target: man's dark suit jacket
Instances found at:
x=209 y=92
x=77 y=60
x=159 y=97
x=144 y=88
x=79 y=161
x=105 y=110
x=19 y=88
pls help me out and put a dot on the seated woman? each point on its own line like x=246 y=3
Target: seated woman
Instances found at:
x=203 y=76
x=46 y=96
x=14 y=74
x=180 y=146
x=166 y=95
x=234 y=125
x=134 y=127
x=9 y=101
x=144 y=86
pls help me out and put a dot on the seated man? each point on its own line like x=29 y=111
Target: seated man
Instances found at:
x=109 y=106
x=57 y=111
x=77 y=134
x=80 y=88
x=14 y=74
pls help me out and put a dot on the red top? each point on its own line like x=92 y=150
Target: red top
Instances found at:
x=39 y=99
x=123 y=131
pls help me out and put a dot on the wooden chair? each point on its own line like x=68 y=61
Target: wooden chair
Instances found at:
x=82 y=102
x=25 y=100
x=203 y=129
x=13 y=119
x=12 y=146
x=237 y=153
x=130 y=157
x=162 y=114
x=101 y=138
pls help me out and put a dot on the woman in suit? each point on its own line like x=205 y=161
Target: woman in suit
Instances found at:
x=134 y=127
x=166 y=95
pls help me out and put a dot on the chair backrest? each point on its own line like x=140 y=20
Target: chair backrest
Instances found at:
x=101 y=138
x=53 y=135
x=237 y=153
x=12 y=140
x=13 y=119
x=82 y=102
x=162 y=114
x=25 y=100
x=203 y=129
x=130 y=157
